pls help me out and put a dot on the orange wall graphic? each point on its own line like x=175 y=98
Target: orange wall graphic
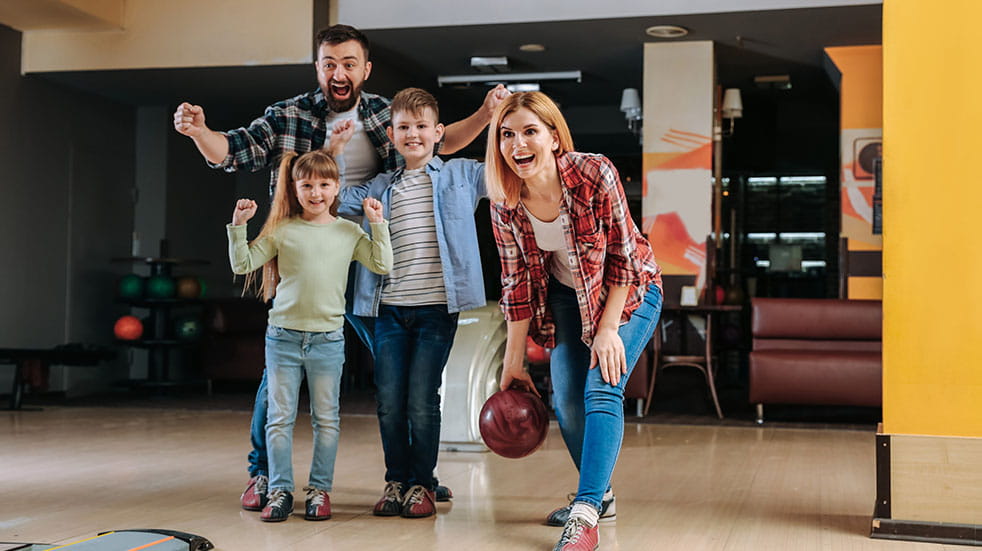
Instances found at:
x=678 y=151
x=861 y=141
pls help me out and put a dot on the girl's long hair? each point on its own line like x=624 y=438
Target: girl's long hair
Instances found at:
x=504 y=186
x=293 y=167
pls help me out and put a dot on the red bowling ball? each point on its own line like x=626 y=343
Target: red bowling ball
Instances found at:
x=536 y=354
x=514 y=423
x=128 y=328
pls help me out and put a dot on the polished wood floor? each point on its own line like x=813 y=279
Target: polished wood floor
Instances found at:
x=71 y=472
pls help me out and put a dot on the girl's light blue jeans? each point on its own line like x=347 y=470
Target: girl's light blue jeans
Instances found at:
x=291 y=355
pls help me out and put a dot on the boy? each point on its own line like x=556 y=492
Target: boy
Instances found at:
x=436 y=274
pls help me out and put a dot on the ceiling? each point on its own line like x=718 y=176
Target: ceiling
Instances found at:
x=609 y=52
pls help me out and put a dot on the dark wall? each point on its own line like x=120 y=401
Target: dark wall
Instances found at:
x=67 y=207
x=67 y=210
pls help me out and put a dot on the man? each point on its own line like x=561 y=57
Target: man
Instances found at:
x=301 y=124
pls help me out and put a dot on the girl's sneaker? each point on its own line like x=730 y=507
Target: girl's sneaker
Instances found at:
x=318 y=505
x=279 y=507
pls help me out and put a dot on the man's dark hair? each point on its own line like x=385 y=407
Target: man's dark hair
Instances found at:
x=336 y=34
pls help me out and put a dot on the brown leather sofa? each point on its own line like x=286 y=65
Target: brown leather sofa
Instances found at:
x=816 y=352
x=234 y=345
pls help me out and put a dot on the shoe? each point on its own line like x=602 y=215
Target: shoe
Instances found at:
x=278 y=508
x=318 y=505
x=608 y=511
x=254 y=496
x=419 y=503
x=442 y=493
x=578 y=536
x=391 y=503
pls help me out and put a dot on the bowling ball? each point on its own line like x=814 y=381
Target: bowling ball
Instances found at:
x=204 y=287
x=187 y=328
x=513 y=423
x=130 y=286
x=534 y=353
x=160 y=286
x=188 y=287
x=128 y=328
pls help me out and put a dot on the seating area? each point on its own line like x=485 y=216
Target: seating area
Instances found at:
x=815 y=352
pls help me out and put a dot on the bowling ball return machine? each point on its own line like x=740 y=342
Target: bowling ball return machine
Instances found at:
x=124 y=540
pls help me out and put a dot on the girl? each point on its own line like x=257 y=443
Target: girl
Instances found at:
x=304 y=251
x=576 y=275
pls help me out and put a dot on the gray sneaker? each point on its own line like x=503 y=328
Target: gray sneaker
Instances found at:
x=608 y=511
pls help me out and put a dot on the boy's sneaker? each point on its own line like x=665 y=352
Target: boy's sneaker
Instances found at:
x=608 y=511
x=278 y=508
x=254 y=496
x=420 y=502
x=391 y=503
x=578 y=536
x=318 y=505
x=442 y=493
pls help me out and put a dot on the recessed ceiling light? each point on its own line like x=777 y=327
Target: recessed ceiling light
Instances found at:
x=666 y=31
x=532 y=48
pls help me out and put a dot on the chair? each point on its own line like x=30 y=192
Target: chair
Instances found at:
x=703 y=362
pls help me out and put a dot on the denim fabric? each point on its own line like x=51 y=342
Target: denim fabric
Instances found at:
x=591 y=411
x=458 y=186
x=258 y=463
x=291 y=355
x=412 y=344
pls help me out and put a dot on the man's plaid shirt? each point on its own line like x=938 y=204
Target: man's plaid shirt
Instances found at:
x=300 y=124
x=606 y=249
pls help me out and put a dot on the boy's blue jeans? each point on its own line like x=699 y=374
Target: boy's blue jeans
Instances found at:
x=591 y=411
x=412 y=345
x=290 y=356
x=258 y=461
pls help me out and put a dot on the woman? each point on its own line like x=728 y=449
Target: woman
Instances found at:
x=577 y=276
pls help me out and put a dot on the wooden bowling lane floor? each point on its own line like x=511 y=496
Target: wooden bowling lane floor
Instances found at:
x=71 y=472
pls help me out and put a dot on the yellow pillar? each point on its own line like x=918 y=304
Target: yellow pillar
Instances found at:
x=931 y=446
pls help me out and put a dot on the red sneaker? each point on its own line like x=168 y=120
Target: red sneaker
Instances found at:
x=318 y=505
x=419 y=503
x=254 y=496
x=278 y=508
x=578 y=536
x=391 y=503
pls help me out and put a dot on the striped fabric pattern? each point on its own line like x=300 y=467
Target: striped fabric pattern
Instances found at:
x=416 y=278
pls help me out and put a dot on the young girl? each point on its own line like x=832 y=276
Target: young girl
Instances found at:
x=305 y=250
x=577 y=275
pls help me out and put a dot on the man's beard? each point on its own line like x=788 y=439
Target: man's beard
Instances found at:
x=339 y=106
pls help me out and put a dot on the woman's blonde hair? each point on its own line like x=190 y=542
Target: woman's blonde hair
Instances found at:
x=286 y=205
x=503 y=184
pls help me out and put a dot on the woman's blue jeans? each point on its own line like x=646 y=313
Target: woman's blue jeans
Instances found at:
x=412 y=345
x=290 y=356
x=591 y=411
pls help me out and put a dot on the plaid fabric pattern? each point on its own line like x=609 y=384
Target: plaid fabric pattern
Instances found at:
x=606 y=249
x=300 y=124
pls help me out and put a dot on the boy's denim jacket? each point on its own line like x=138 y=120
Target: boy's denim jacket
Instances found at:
x=458 y=185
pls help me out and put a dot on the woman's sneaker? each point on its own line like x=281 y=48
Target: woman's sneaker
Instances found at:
x=279 y=507
x=391 y=503
x=254 y=496
x=578 y=536
x=608 y=511
x=420 y=503
x=318 y=505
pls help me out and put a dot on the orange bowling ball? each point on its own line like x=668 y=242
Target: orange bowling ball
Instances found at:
x=128 y=328
x=536 y=354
